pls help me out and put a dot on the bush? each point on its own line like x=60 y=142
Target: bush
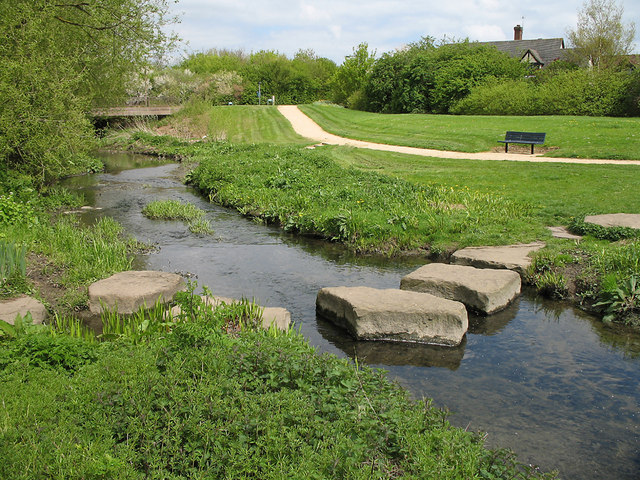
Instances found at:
x=567 y=92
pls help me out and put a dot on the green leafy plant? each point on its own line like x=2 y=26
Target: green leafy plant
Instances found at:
x=580 y=227
x=12 y=264
x=622 y=302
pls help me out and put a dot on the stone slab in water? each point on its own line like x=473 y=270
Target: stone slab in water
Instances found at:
x=481 y=289
x=10 y=309
x=279 y=317
x=394 y=315
x=127 y=292
x=629 y=220
x=510 y=257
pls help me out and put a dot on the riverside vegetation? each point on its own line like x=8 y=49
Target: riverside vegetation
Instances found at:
x=381 y=202
x=208 y=395
x=187 y=399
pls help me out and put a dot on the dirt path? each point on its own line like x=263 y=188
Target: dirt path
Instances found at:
x=306 y=127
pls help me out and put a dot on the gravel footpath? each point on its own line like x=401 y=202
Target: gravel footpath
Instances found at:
x=307 y=128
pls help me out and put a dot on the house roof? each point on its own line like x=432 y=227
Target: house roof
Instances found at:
x=546 y=49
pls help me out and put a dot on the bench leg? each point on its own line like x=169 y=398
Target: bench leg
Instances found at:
x=532 y=149
x=506 y=148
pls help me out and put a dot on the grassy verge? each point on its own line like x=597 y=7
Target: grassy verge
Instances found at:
x=580 y=137
x=187 y=400
x=61 y=258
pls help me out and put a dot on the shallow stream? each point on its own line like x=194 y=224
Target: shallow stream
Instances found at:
x=542 y=378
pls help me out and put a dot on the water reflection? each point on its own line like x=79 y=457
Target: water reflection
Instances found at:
x=541 y=377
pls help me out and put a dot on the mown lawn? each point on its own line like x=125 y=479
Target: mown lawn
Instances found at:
x=580 y=137
x=234 y=123
x=557 y=191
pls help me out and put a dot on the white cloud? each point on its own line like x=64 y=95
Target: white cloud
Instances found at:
x=333 y=27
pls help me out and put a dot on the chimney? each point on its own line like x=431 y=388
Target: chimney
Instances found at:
x=517 y=32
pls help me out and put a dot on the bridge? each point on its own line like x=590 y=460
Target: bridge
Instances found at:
x=135 y=111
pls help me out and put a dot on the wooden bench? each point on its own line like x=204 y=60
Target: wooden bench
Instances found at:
x=528 y=138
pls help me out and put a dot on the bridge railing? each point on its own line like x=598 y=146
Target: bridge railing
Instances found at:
x=138 y=101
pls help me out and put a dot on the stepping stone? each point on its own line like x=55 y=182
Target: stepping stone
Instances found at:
x=629 y=220
x=562 y=232
x=276 y=316
x=480 y=289
x=10 y=309
x=127 y=292
x=394 y=315
x=510 y=257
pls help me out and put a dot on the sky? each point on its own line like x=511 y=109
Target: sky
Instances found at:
x=332 y=28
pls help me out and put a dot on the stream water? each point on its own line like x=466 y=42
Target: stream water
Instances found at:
x=542 y=378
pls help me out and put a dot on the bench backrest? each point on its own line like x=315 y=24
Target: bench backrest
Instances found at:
x=525 y=137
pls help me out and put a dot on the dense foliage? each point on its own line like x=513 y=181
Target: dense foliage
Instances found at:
x=58 y=60
x=428 y=79
x=189 y=401
x=223 y=76
x=570 y=92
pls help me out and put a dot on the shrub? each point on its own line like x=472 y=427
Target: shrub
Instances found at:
x=567 y=92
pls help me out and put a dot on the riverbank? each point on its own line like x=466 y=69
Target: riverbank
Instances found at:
x=393 y=204
x=185 y=399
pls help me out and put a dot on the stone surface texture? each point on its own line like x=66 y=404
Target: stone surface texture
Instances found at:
x=10 y=309
x=480 y=289
x=277 y=316
x=394 y=315
x=629 y=220
x=510 y=257
x=126 y=292
x=562 y=232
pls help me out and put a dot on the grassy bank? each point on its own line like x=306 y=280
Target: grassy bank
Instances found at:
x=581 y=137
x=233 y=123
x=377 y=202
x=191 y=401
x=61 y=257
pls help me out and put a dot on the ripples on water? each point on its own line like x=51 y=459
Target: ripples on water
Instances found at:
x=541 y=377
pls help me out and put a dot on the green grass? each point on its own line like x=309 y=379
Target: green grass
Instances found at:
x=557 y=192
x=237 y=123
x=66 y=255
x=176 y=210
x=305 y=191
x=580 y=137
x=186 y=400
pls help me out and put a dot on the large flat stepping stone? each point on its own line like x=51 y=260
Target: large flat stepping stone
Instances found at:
x=279 y=317
x=394 y=315
x=10 y=309
x=480 y=289
x=509 y=257
x=629 y=220
x=127 y=292
x=562 y=232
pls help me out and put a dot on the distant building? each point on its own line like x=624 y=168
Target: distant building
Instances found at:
x=538 y=53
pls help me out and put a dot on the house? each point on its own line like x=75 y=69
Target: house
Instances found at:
x=539 y=53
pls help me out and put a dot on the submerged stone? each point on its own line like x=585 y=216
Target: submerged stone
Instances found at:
x=510 y=257
x=127 y=292
x=482 y=290
x=22 y=305
x=394 y=315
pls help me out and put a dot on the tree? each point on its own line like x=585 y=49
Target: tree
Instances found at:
x=348 y=81
x=58 y=59
x=600 y=36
